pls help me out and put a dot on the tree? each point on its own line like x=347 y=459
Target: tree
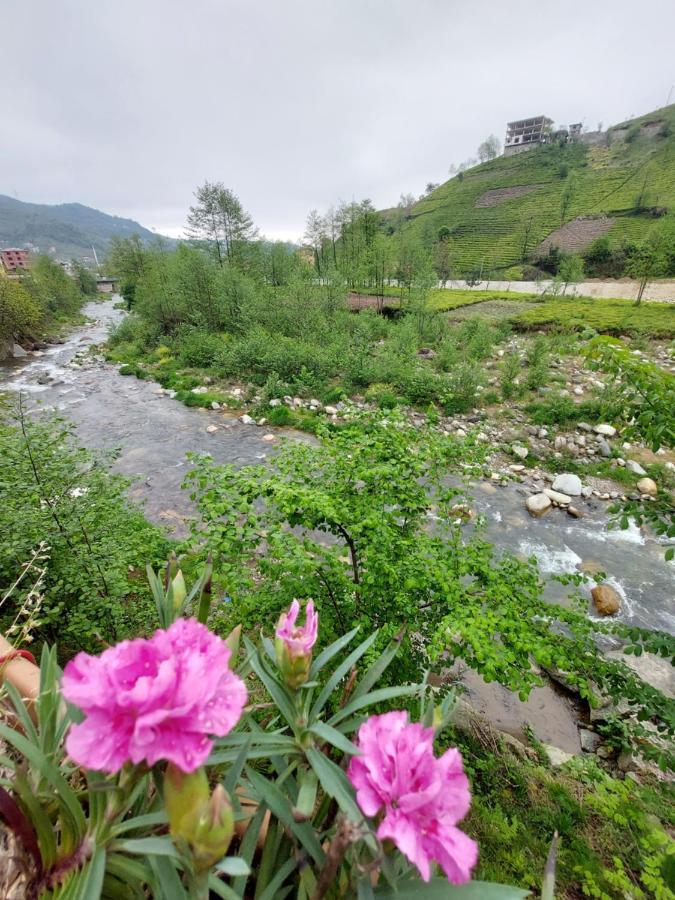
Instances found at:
x=219 y=219
x=655 y=256
x=490 y=148
x=570 y=270
x=527 y=231
x=127 y=259
x=315 y=236
x=84 y=279
x=443 y=262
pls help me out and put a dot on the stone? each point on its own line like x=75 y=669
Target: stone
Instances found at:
x=269 y=438
x=584 y=426
x=605 y=430
x=647 y=486
x=568 y=483
x=579 y=391
x=635 y=467
x=556 y=756
x=538 y=505
x=247 y=420
x=574 y=512
x=560 y=442
x=17 y=351
x=215 y=404
x=605 y=449
x=606 y=599
x=520 y=452
x=200 y=390
x=590 y=741
x=330 y=410
x=211 y=429
x=275 y=402
x=557 y=497
x=516 y=467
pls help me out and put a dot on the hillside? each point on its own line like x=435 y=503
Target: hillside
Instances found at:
x=493 y=212
x=71 y=228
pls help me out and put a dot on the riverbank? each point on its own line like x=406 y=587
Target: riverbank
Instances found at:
x=152 y=433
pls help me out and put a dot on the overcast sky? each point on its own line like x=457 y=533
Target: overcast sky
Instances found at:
x=128 y=105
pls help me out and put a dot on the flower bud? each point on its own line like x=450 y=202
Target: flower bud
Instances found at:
x=293 y=644
x=203 y=821
x=179 y=591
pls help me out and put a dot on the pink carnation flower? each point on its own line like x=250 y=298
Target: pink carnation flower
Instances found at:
x=423 y=796
x=146 y=700
x=299 y=639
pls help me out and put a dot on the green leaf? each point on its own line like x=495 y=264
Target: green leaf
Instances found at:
x=88 y=882
x=334 y=737
x=335 y=783
x=377 y=669
x=157 y=846
x=233 y=865
x=248 y=845
x=276 y=691
x=378 y=696
x=167 y=878
x=271 y=892
x=441 y=889
x=329 y=652
x=144 y=821
x=268 y=792
x=221 y=889
x=65 y=795
x=237 y=766
x=340 y=673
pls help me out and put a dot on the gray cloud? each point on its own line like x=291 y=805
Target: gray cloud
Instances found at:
x=127 y=105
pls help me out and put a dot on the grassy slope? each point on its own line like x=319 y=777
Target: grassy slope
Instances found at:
x=609 y=179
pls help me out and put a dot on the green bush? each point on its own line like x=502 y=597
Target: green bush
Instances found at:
x=198 y=348
x=54 y=492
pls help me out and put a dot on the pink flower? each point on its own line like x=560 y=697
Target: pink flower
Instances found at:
x=294 y=644
x=423 y=796
x=146 y=700
x=298 y=640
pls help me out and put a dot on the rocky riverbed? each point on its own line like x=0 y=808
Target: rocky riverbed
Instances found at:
x=151 y=434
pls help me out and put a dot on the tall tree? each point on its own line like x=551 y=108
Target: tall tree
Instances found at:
x=315 y=236
x=219 y=219
x=489 y=149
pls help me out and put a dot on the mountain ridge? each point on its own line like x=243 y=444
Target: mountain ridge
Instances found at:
x=72 y=229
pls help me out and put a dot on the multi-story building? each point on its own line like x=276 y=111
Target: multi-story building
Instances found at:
x=524 y=134
x=14 y=260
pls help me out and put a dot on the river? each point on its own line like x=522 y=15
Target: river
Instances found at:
x=152 y=434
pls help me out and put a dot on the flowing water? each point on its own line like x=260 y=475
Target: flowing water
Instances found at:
x=152 y=435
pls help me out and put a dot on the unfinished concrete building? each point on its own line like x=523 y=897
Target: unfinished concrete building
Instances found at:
x=524 y=134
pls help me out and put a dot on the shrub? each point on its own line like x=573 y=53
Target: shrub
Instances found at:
x=279 y=415
x=198 y=348
x=53 y=492
x=509 y=370
x=20 y=313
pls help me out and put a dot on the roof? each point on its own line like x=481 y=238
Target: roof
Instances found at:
x=517 y=122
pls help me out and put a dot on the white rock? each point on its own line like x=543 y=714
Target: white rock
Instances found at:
x=538 y=504
x=269 y=438
x=211 y=429
x=605 y=430
x=556 y=756
x=330 y=410
x=557 y=497
x=635 y=467
x=215 y=404
x=275 y=402
x=579 y=391
x=520 y=452
x=247 y=420
x=18 y=352
x=200 y=390
x=568 y=483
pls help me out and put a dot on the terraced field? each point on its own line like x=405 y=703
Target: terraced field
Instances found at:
x=501 y=210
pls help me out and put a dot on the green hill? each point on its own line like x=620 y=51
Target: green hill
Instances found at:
x=70 y=228
x=497 y=213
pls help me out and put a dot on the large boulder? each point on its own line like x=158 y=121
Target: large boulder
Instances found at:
x=647 y=486
x=567 y=483
x=538 y=504
x=17 y=351
x=605 y=430
x=607 y=601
